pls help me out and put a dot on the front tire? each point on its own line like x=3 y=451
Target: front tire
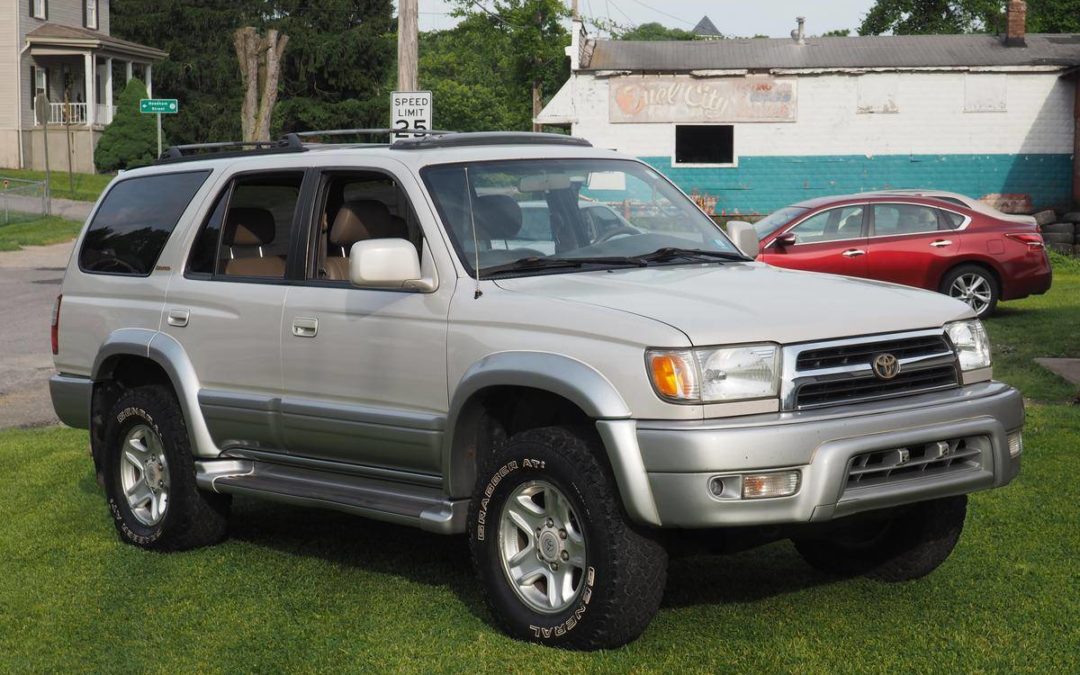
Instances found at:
x=149 y=476
x=558 y=558
x=909 y=545
x=974 y=285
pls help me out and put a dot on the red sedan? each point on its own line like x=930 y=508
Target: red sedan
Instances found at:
x=916 y=241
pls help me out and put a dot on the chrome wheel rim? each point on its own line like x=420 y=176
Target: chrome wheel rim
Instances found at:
x=144 y=475
x=974 y=289
x=542 y=547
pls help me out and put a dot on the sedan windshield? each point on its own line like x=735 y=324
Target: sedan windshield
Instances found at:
x=777 y=219
x=556 y=215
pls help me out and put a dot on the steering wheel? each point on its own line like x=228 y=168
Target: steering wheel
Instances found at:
x=621 y=230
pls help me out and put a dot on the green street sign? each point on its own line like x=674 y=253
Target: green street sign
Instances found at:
x=159 y=106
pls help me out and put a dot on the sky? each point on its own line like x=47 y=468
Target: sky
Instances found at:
x=774 y=18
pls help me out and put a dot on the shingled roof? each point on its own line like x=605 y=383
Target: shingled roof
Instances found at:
x=835 y=53
x=706 y=28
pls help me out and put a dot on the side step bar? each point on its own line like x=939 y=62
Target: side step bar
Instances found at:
x=420 y=506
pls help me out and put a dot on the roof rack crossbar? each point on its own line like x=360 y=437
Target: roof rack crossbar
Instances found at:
x=300 y=135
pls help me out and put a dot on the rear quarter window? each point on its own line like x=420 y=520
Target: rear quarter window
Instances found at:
x=135 y=220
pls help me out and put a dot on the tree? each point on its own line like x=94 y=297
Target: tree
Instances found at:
x=201 y=69
x=911 y=17
x=484 y=72
x=131 y=140
x=260 y=68
x=838 y=32
x=655 y=32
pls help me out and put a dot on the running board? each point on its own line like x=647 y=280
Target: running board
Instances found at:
x=420 y=506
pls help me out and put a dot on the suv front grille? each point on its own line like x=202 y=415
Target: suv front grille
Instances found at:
x=841 y=371
x=897 y=464
x=836 y=392
x=864 y=352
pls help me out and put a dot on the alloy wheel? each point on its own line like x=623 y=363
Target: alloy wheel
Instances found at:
x=144 y=475
x=542 y=547
x=974 y=289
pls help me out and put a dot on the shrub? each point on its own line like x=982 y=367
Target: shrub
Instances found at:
x=131 y=140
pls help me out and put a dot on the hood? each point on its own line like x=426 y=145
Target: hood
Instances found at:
x=751 y=302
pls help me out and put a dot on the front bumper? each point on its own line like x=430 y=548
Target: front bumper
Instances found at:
x=680 y=458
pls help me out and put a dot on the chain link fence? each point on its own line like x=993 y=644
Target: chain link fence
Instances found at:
x=22 y=200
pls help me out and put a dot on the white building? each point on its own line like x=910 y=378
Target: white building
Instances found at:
x=61 y=48
x=749 y=125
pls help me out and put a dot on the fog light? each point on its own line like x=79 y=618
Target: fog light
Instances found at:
x=764 y=485
x=1016 y=444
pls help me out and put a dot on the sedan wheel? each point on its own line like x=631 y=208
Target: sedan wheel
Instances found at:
x=975 y=286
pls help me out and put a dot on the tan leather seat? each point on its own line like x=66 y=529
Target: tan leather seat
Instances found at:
x=247 y=231
x=359 y=221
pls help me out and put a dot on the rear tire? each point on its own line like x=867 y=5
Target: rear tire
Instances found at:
x=149 y=474
x=974 y=285
x=907 y=546
x=547 y=511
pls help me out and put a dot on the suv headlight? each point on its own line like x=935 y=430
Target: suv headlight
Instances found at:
x=971 y=343
x=715 y=374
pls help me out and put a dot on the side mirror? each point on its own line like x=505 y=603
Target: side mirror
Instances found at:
x=386 y=263
x=745 y=237
x=786 y=239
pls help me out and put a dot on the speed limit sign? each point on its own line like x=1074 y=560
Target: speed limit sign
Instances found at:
x=409 y=110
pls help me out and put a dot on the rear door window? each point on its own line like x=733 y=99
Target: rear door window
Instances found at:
x=135 y=220
x=897 y=219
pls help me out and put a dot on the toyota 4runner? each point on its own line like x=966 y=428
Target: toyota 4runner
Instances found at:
x=370 y=328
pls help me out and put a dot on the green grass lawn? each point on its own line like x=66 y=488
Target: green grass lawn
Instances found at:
x=296 y=589
x=37 y=232
x=87 y=185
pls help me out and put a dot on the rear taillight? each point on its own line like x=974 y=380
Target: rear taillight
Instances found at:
x=1033 y=240
x=55 y=331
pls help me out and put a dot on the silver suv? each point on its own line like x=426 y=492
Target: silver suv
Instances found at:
x=365 y=328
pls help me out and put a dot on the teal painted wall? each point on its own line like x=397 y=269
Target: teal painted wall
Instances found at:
x=763 y=184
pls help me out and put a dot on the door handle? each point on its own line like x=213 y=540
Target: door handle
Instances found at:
x=853 y=253
x=939 y=243
x=305 y=327
x=178 y=317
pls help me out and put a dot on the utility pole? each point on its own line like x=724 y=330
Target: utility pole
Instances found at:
x=574 y=10
x=537 y=94
x=408 y=37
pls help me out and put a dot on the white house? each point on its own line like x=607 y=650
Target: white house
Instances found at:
x=61 y=48
x=749 y=125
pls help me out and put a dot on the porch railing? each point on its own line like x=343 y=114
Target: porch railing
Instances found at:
x=75 y=113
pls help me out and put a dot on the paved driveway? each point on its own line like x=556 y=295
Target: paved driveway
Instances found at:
x=29 y=282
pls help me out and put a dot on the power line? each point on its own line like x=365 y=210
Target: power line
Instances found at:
x=631 y=21
x=663 y=13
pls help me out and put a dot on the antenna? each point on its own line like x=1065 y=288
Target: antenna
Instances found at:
x=475 y=245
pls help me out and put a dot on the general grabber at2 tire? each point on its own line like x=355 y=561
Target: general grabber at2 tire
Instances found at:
x=560 y=562
x=150 y=475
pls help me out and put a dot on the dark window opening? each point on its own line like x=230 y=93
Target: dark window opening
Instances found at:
x=135 y=220
x=705 y=144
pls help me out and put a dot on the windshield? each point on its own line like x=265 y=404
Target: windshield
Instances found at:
x=777 y=219
x=565 y=214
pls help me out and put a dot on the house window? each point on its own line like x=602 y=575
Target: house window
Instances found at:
x=90 y=14
x=705 y=144
x=39 y=9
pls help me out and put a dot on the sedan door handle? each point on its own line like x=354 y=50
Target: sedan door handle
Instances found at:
x=178 y=317
x=939 y=243
x=853 y=252
x=305 y=327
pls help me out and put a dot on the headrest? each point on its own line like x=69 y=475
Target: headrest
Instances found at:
x=365 y=219
x=249 y=226
x=498 y=216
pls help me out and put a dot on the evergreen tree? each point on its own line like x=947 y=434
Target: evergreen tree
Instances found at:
x=131 y=140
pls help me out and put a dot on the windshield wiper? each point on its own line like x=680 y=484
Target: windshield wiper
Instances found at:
x=537 y=263
x=672 y=252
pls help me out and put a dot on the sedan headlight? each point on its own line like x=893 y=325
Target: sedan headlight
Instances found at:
x=715 y=374
x=971 y=343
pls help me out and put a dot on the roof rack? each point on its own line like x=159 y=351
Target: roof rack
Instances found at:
x=299 y=136
x=196 y=151
x=481 y=138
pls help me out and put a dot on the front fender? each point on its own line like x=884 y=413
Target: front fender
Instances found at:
x=567 y=378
